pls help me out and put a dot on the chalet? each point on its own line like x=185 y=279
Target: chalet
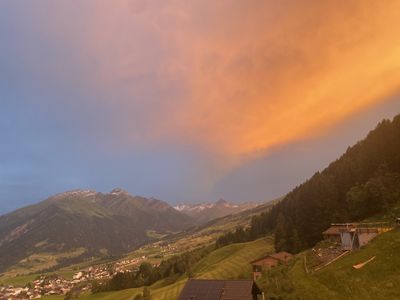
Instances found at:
x=333 y=232
x=203 y=289
x=352 y=236
x=269 y=261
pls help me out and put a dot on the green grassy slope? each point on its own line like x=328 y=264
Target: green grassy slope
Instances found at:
x=233 y=261
x=229 y=262
x=380 y=279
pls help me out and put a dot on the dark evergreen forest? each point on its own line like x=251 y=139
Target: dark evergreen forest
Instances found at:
x=363 y=182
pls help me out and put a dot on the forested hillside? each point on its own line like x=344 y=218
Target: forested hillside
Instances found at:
x=111 y=223
x=363 y=182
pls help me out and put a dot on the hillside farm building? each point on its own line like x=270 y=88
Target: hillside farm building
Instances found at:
x=202 y=289
x=352 y=236
x=269 y=261
x=333 y=232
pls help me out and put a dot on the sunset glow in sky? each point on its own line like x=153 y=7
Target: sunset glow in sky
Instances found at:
x=188 y=100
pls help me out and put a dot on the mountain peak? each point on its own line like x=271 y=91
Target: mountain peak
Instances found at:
x=205 y=212
x=76 y=192
x=119 y=191
x=221 y=202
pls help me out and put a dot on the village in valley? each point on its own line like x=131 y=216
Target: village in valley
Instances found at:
x=46 y=285
x=339 y=240
x=55 y=284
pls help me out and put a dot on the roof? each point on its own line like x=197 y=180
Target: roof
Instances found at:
x=336 y=229
x=239 y=290
x=200 y=289
x=281 y=256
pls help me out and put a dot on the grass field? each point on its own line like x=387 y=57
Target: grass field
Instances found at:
x=40 y=261
x=233 y=261
x=380 y=279
x=230 y=262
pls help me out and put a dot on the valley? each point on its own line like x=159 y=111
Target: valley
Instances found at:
x=340 y=229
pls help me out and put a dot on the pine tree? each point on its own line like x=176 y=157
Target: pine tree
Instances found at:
x=280 y=234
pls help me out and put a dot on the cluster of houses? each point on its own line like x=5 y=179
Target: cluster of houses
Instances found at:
x=43 y=286
x=57 y=285
x=127 y=265
x=14 y=293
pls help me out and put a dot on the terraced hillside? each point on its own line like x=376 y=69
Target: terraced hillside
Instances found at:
x=225 y=263
x=379 y=279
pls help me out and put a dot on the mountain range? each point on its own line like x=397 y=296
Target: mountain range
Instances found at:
x=205 y=212
x=111 y=223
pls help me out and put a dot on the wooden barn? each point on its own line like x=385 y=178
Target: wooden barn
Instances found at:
x=333 y=232
x=269 y=261
x=352 y=236
x=203 y=289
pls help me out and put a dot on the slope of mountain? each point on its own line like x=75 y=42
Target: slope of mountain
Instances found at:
x=205 y=212
x=112 y=223
x=377 y=280
x=362 y=183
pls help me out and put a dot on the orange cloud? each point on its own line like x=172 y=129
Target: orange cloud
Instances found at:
x=255 y=74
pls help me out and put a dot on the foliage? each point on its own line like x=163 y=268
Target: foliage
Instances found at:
x=238 y=236
x=363 y=182
x=169 y=270
x=144 y=296
x=75 y=292
x=277 y=282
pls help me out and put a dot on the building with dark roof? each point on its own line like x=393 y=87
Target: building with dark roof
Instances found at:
x=333 y=232
x=269 y=261
x=355 y=235
x=204 y=289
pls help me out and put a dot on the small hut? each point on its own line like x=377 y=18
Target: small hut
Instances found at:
x=269 y=261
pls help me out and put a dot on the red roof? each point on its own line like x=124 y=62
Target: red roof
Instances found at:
x=280 y=256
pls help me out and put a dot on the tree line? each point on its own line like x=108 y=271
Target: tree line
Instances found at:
x=363 y=182
x=170 y=270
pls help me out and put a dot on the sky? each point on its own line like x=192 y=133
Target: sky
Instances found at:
x=188 y=100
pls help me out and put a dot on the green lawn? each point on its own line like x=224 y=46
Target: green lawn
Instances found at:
x=233 y=261
x=380 y=279
x=17 y=281
x=229 y=262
